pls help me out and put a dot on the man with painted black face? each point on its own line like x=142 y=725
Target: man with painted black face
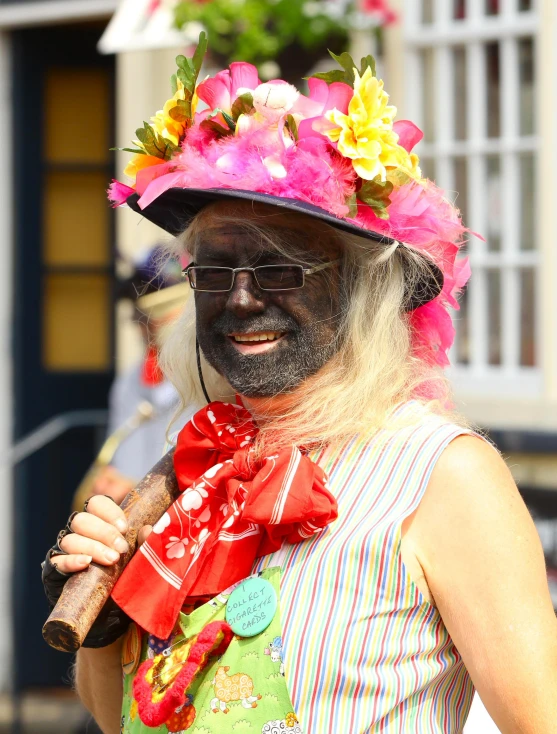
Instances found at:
x=378 y=551
x=263 y=339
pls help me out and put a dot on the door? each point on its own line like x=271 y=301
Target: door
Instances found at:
x=63 y=326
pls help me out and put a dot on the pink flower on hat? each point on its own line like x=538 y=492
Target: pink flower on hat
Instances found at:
x=220 y=91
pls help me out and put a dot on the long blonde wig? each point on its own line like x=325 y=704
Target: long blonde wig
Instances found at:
x=374 y=368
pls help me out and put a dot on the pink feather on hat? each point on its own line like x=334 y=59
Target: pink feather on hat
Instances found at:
x=338 y=149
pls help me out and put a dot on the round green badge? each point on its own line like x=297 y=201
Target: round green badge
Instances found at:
x=251 y=607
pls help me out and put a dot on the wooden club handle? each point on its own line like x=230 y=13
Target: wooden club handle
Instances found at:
x=86 y=592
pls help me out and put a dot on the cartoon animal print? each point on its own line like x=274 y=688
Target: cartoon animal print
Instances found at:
x=237 y=687
x=275 y=651
x=288 y=725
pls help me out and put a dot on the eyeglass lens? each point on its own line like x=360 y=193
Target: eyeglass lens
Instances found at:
x=268 y=277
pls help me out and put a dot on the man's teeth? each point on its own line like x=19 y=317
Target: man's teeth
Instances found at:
x=268 y=336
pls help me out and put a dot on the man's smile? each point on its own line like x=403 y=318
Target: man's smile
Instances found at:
x=256 y=342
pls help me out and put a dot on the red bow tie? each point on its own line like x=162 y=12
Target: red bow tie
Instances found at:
x=232 y=510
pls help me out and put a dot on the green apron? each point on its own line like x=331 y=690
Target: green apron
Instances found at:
x=242 y=691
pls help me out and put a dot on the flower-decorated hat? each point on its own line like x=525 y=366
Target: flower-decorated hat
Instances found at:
x=337 y=155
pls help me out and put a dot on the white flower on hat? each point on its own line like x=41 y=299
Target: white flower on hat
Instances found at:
x=274 y=100
x=277 y=170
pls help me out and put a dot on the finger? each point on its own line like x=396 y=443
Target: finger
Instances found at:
x=144 y=533
x=75 y=544
x=118 y=489
x=71 y=564
x=108 y=511
x=93 y=527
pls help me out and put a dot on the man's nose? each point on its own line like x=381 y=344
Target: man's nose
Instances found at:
x=245 y=298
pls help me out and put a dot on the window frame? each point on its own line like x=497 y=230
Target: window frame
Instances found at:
x=508 y=28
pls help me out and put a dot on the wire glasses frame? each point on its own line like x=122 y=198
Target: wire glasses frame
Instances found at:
x=216 y=279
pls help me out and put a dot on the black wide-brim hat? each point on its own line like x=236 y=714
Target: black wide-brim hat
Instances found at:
x=174 y=209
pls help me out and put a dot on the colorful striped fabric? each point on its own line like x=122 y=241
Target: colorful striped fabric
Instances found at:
x=363 y=649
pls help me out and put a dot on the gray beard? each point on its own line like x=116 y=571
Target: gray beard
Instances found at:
x=302 y=353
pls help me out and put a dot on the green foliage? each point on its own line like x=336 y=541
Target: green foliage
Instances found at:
x=154 y=144
x=346 y=74
x=188 y=73
x=352 y=204
x=258 y=30
x=376 y=195
x=210 y=123
x=243 y=105
x=137 y=151
x=292 y=127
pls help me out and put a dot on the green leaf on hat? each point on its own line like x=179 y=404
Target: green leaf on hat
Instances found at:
x=154 y=144
x=352 y=204
x=348 y=65
x=368 y=62
x=199 y=53
x=137 y=151
x=336 y=75
x=174 y=83
x=181 y=112
x=376 y=195
x=215 y=127
x=230 y=121
x=145 y=134
x=292 y=126
x=188 y=72
x=243 y=105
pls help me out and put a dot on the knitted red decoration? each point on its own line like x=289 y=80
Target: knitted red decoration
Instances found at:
x=213 y=640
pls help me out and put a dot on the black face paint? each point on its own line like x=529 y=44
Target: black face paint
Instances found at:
x=300 y=353
x=307 y=319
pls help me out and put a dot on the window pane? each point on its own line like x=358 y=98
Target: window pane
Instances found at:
x=76 y=219
x=526 y=75
x=527 y=201
x=461 y=185
x=77 y=115
x=76 y=325
x=428 y=67
x=460 y=93
x=459 y=9
x=428 y=168
x=494 y=316
x=493 y=89
x=427 y=11
x=462 y=330
x=492 y=7
x=494 y=203
x=528 y=315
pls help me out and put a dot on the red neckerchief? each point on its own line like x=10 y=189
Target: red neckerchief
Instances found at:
x=232 y=510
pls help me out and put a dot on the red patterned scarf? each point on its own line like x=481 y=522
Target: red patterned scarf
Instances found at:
x=232 y=510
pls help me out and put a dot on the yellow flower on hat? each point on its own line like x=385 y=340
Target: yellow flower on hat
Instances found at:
x=366 y=135
x=140 y=161
x=165 y=125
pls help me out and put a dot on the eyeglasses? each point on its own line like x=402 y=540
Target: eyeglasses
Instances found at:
x=267 y=277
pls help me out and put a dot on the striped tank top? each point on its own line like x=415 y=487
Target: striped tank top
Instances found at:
x=363 y=650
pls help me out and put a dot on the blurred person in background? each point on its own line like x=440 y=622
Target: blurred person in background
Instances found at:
x=143 y=404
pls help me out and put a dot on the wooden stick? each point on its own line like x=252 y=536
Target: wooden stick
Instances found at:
x=86 y=592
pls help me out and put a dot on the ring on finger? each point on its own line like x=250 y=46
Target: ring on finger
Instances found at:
x=62 y=534
x=86 y=503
